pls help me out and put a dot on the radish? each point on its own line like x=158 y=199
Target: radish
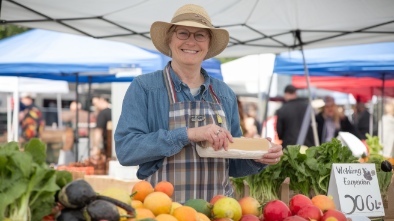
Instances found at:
x=78 y=194
x=102 y=210
x=276 y=210
x=70 y=215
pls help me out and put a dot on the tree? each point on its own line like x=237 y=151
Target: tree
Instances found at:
x=10 y=30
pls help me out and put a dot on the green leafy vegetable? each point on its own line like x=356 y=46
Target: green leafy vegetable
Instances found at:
x=309 y=171
x=384 y=178
x=28 y=186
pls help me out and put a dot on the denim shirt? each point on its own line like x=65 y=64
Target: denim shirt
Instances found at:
x=142 y=136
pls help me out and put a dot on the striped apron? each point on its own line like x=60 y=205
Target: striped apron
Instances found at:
x=193 y=177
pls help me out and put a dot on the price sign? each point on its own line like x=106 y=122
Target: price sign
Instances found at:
x=355 y=189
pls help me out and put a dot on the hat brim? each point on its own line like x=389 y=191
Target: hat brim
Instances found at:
x=159 y=29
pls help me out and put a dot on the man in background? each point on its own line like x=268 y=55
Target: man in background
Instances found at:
x=361 y=121
x=290 y=119
x=100 y=137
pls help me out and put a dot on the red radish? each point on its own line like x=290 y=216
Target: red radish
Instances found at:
x=276 y=210
x=310 y=212
x=294 y=218
x=297 y=202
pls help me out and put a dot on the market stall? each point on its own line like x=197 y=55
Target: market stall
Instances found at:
x=255 y=27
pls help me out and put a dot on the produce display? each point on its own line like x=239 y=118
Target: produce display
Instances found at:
x=153 y=203
x=309 y=170
x=31 y=190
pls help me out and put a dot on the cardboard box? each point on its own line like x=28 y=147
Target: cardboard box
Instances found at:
x=117 y=171
x=102 y=182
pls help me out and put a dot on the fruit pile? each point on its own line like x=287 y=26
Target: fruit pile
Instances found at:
x=155 y=203
x=302 y=208
x=150 y=203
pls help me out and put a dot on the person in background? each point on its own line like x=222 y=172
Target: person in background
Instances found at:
x=361 y=120
x=241 y=117
x=100 y=136
x=31 y=121
x=386 y=131
x=95 y=103
x=330 y=121
x=290 y=118
x=252 y=122
x=69 y=118
x=165 y=113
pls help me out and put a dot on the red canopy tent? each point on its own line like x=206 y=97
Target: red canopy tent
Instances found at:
x=361 y=88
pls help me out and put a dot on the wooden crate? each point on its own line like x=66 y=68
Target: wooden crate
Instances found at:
x=102 y=182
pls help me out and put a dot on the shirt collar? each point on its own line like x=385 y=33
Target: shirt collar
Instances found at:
x=178 y=82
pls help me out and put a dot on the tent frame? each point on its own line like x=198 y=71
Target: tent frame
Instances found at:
x=233 y=41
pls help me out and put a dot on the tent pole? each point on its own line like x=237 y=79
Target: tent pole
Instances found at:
x=76 y=135
x=371 y=113
x=382 y=105
x=267 y=99
x=16 y=112
x=9 y=118
x=89 y=97
x=59 y=111
x=313 y=119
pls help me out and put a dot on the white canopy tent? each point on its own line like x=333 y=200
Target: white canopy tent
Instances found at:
x=16 y=85
x=255 y=26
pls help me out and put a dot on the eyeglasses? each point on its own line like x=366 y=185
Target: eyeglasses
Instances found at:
x=200 y=36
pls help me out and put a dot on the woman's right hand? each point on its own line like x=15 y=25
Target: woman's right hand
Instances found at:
x=212 y=133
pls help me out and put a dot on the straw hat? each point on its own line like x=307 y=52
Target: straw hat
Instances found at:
x=192 y=16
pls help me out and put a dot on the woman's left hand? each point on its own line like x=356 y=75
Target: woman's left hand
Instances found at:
x=273 y=156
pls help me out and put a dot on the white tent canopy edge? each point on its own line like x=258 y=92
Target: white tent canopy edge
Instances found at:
x=256 y=26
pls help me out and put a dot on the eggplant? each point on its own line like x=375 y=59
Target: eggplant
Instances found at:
x=386 y=166
x=70 y=215
x=101 y=210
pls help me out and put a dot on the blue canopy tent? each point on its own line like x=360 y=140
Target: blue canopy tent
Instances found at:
x=73 y=58
x=372 y=60
x=59 y=56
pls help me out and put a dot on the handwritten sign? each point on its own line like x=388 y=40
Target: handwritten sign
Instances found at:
x=355 y=189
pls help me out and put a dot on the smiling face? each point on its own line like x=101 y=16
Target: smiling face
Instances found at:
x=189 y=51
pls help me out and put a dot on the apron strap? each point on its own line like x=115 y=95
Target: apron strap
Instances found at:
x=169 y=84
x=213 y=95
x=171 y=88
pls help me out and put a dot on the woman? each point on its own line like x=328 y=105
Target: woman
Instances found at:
x=386 y=126
x=330 y=121
x=167 y=112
